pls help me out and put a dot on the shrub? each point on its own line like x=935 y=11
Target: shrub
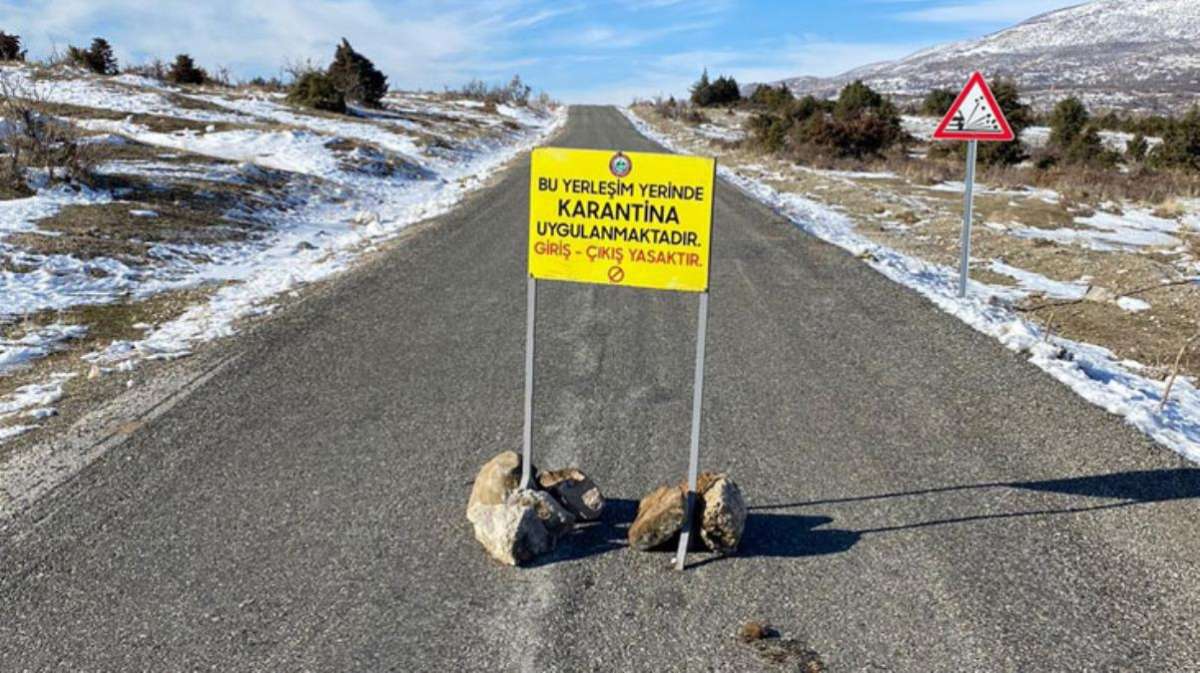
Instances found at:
x=856 y=98
x=673 y=109
x=98 y=58
x=861 y=123
x=1067 y=121
x=1136 y=149
x=1181 y=143
x=315 y=89
x=516 y=92
x=722 y=91
x=184 y=71
x=10 y=47
x=356 y=77
x=725 y=90
x=768 y=131
x=34 y=139
x=1019 y=116
x=702 y=90
x=155 y=69
x=772 y=97
x=1087 y=149
x=266 y=83
x=937 y=102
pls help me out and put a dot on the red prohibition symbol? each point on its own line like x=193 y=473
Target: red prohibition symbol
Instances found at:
x=616 y=274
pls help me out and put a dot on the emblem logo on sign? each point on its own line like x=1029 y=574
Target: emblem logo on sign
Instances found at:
x=620 y=165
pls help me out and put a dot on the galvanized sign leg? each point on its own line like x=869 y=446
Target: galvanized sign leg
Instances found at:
x=968 y=213
x=694 y=455
x=527 y=438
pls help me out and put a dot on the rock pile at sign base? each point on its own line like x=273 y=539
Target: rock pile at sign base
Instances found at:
x=516 y=525
x=720 y=512
x=575 y=491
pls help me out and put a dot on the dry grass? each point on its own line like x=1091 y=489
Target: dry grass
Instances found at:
x=905 y=214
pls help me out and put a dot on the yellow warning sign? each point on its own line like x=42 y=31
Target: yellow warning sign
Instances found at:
x=621 y=218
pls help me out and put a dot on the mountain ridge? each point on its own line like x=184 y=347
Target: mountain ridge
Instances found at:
x=1134 y=55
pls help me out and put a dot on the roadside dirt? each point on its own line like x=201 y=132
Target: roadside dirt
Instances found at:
x=1034 y=230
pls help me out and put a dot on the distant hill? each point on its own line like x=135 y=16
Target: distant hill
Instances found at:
x=1140 y=55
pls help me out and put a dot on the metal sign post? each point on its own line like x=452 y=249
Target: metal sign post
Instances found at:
x=527 y=436
x=694 y=453
x=974 y=116
x=633 y=219
x=968 y=213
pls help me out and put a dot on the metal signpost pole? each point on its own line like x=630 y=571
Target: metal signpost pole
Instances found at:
x=968 y=213
x=694 y=455
x=527 y=450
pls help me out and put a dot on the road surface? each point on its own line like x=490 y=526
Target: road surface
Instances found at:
x=923 y=500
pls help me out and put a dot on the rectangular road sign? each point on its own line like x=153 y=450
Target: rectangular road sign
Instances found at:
x=621 y=218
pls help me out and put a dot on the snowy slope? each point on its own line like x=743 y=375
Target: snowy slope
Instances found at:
x=318 y=190
x=1129 y=54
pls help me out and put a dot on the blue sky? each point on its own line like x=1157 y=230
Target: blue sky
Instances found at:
x=578 y=50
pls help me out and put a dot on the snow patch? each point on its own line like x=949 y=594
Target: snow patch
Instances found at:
x=1093 y=372
x=1035 y=282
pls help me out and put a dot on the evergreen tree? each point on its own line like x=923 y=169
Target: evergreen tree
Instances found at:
x=856 y=98
x=1019 y=117
x=724 y=90
x=1181 y=143
x=1087 y=149
x=702 y=91
x=10 y=47
x=1069 y=119
x=1136 y=149
x=98 y=58
x=315 y=89
x=184 y=71
x=356 y=77
x=772 y=98
x=937 y=102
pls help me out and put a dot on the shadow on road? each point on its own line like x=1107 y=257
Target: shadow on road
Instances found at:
x=771 y=535
x=597 y=537
x=1127 y=488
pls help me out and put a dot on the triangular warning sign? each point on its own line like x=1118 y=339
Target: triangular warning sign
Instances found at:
x=975 y=115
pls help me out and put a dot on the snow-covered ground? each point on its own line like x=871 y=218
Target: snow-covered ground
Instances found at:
x=1093 y=372
x=922 y=128
x=1104 y=232
x=354 y=201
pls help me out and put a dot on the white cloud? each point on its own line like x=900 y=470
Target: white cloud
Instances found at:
x=416 y=43
x=673 y=74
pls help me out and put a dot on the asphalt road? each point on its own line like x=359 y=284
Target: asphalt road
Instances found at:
x=923 y=500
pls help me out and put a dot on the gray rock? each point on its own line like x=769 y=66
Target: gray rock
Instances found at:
x=659 y=518
x=574 y=491
x=496 y=480
x=556 y=518
x=512 y=532
x=722 y=512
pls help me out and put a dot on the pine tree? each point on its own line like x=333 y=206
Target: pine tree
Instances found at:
x=1019 y=117
x=1069 y=119
x=10 y=47
x=937 y=102
x=315 y=89
x=702 y=91
x=356 y=77
x=855 y=98
x=1181 y=143
x=98 y=58
x=184 y=71
x=1136 y=149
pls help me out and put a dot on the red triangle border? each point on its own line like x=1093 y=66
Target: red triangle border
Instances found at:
x=1006 y=133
